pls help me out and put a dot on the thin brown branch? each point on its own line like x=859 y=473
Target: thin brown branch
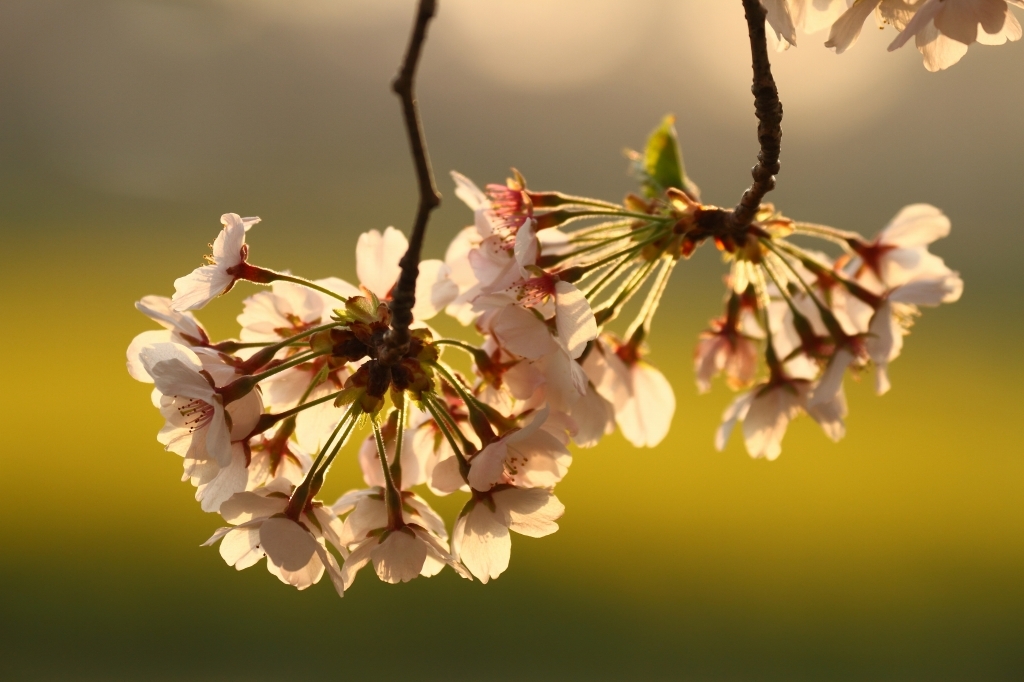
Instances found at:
x=768 y=109
x=396 y=341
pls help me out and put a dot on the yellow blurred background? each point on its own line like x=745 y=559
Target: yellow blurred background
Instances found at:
x=128 y=126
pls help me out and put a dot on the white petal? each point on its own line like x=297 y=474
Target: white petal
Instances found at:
x=520 y=332
x=482 y=543
x=377 y=257
x=847 y=28
x=287 y=543
x=399 y=558
x=573 y=318
x=466 y=190
x=916 y=225
x=532 y=511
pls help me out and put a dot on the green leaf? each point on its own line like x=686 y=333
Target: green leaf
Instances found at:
x=662 y=162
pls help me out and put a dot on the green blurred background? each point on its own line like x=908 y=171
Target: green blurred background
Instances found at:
x=128 y=127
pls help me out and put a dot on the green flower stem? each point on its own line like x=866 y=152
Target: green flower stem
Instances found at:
x=281 y=277
x=445 y=429
x=641 y=326
x=396 y=466
x=610 y=311
x=303 y=491
x=608 y=277
x=305 y=406
x=392 y=498
x=468 y=447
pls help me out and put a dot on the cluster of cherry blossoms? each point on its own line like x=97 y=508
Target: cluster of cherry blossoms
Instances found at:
x=543 y=279
x=942 y=30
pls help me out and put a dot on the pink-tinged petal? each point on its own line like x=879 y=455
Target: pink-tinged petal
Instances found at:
x=737 y=411
x=333 y=569
x=531 y=511
x=158 y=308
x=359 y=557
x=370 y=514
x=831 y=381
x=939 y=51
x=482 y=543
x=647 y=422
x=377 y=257
x=830 y=416
x=245 y=412
x=171 y=352
x=349 y=500
x=487 y=468
x=924 y=14
x=915 y=225
x=228 y=245
x=574 y=318
x=136 y=368
x=434 y=289
x=218 y=437
x=399 y=557
x=241 y=547
x=526 y=248
x=470 y=194
x=445 y=477
x=767 y=418
x=228 y=481
x=609 y=375
x=594 y=417
x=202 y=285
x=314 y=426
x=287 y=544
x=331 y=527
x=493 y=266
x=847 y=28
x=930 y=292
x=520 y=332
x=781 y=20
x=1009 y=30
x=882 y=383
x=247 y=506
x=438 y=552
x=427 y=517
x=959 y=20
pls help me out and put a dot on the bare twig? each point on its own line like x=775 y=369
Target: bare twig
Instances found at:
x=768 y=109
x=396 y=341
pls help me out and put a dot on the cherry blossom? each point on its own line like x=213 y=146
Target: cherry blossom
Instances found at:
x=418 y=547
x=180 y=328
x=944 y=29
x=528 y=457
x=208 y=435
x=642 y=398
x=481 y=537
x=195 y=290
x=295 y=548
x=766 y=411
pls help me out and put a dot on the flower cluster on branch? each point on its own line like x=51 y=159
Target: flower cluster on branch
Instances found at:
x=559 y=294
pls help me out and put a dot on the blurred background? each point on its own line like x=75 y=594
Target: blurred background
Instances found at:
x=127 y=127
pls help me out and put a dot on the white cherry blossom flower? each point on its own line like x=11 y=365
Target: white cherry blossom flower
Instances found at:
x=767 y=410
x=893 y=318
x=481 y=538
x=296 y=550
x=528 y=457
x=419 y=547
x=195 y=290
x=944 y=29
x=199 y=427
x=641 y=395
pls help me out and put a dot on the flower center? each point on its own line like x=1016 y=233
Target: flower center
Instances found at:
x=196 y=413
